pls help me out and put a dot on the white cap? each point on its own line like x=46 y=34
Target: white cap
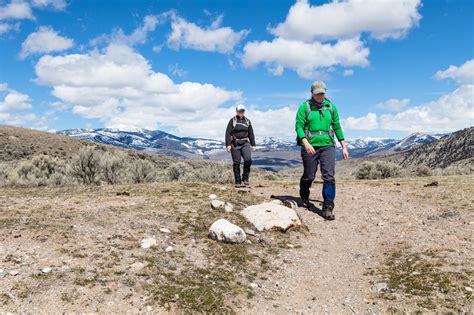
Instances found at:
x=240 y=108
x=318 y=87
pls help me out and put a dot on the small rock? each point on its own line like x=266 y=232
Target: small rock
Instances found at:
x=165 y=230
x=148 y=242
x=249 y=232
x=217 y=204
x=3 y=273
x=254 y=285
x=223 y=230
x=290 y=245
x=223 y=188
x=432 y=184
x=212 y=196
x=169 y=249
x=137 y=266
x=46 y=270
x=149 y=308
x=379 y=287
x=469 y=289
x=228 y=207
x=14 y=272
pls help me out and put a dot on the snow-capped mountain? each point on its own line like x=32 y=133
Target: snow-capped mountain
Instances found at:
x=165 y=143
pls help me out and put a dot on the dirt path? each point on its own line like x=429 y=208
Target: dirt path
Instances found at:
x=330 y=273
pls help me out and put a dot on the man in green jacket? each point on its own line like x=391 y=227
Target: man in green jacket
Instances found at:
x=317 y=121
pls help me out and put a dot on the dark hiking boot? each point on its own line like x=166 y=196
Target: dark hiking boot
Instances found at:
x=306 y=203
x=238 y=185
x=328 y=208
x=246 y=183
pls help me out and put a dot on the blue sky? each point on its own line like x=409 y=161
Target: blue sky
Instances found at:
x=392 y=67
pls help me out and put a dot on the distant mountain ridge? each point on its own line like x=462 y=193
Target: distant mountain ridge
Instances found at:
x=168 y=144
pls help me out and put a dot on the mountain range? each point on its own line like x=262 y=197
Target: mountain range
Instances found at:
x=200 y=148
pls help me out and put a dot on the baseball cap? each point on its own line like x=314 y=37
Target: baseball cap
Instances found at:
x=240 y=108
x=318 y=87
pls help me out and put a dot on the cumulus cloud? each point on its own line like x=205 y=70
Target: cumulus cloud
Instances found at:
x=450 y=112
x=348 y=72
x=55 y=4
x=45 y=40
x=314 y=39
x=343 y=19
x=16 y=10
x=463 y=74
x=7 y=27
x=138 y=36
x=394 y=104
x=368 y=122
x=214 y=38
x=304 y=58
x=13 y=100
x=119 y=87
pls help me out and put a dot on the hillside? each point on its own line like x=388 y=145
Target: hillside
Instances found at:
x=453 y=149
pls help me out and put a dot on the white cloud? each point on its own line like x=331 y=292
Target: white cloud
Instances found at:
x=343 y=19
x=463 y=74
x=119 y=87
x=368 y=122
x=394 y=104
x=7 y=27
x=177 y=71
x=348 y=72
x=17 y=10
x=450 y=112
x=304 y=58
x=13 y=100
x=188 y=35
x=314 y=39
x=45 y=40
x=56 y=4
x=138 y=36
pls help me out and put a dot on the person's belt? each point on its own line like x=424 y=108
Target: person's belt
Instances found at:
x=319 y=132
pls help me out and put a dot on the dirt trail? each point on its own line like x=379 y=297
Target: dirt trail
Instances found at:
x=329 y=272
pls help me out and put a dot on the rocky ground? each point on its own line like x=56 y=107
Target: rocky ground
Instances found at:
x=396 y=245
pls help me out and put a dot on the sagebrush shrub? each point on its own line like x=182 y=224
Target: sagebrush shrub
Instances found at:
x=112 y=167
x=85 y=166
x=423 y=170
x=377 y=170
x=178 y=170
x=141 y=171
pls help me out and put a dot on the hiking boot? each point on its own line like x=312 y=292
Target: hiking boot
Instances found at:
x=238 y=185
x=306 y=203
x=328 y=208
x=246 y=183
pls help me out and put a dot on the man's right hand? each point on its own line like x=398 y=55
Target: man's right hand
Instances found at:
x=308 y=147
x=229 y=148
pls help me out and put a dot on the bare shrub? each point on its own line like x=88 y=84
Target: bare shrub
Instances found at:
x=423 y=170
x=212 y=173
x=85 y=166
x=178 y=170
x=141 y=171
x=377 y=170
x=47 y=166
x=112 y=167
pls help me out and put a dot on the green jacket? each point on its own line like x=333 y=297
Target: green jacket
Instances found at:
x=318 y=122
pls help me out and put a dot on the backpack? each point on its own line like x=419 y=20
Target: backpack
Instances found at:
x=321 y=110
x=246 y=124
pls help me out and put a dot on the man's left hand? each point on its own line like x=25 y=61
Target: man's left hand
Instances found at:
x=345 y=153
x=254 y=149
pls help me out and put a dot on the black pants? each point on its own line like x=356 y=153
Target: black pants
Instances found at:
x=238 y=152
x=326 y=157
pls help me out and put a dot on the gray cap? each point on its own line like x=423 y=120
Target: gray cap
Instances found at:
x=318 y=87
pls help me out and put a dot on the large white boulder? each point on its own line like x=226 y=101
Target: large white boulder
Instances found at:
x=223 y=230
x=271 y=216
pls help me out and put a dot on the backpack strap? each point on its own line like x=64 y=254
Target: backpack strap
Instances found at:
x=234 y=122
x=308 y=109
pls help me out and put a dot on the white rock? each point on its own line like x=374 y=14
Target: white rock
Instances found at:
x=217 y=204
x=137 y=266
x=249 y=231
x=254 y=285
x=270 y=216
x=212 y=196
x=14 y=272
x=379 y=287
x=148 y=242
x=165 y=230
x=46 y=270
x=169 y=249
x=228 y=207
x=223 y=230
x=469 y=289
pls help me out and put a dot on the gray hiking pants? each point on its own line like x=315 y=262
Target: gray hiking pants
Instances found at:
x=326 y=158
x=238 y=152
